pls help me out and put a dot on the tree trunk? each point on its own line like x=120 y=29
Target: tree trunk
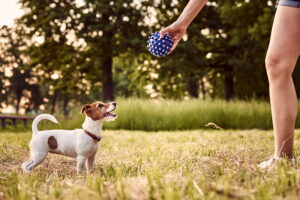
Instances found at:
x=229 y=84
x=53 y=103
x=18 y=105
x=203 y=91
x=19 y=94
x=107 y=75
x=108 y=89
x=65 y=106
x=193 y=87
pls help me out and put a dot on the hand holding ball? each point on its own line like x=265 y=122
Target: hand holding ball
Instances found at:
x=159 y=47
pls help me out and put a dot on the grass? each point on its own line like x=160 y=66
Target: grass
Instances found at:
x=154 y=115
x=200 y=164
x=169 y=115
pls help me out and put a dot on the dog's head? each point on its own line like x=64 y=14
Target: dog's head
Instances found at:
x=99 y=111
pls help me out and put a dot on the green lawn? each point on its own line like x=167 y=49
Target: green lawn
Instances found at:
x=154 y=165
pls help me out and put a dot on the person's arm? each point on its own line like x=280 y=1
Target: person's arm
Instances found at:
x=178 y=28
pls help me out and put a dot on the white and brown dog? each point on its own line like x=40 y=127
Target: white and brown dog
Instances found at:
x=81 y=144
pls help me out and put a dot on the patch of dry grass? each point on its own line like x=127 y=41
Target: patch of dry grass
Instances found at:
x=154 y=165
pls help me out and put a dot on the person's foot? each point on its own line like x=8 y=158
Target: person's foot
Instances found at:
x=272 y=162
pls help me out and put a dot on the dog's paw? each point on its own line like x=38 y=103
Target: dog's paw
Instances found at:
x=25 y=166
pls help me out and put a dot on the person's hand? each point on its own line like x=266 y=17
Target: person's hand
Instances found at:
x=176 y=32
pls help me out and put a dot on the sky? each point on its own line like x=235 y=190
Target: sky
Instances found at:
x=9 y=10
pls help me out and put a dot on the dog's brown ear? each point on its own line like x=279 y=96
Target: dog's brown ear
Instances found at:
x=85 y=108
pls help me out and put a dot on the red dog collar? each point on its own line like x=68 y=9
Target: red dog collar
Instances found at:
x=92 y=135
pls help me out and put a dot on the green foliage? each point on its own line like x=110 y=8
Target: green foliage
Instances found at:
x=130 y=77
x=111 y=29
x=73 y=46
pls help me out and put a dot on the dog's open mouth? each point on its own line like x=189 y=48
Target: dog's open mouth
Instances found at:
x=110 y=114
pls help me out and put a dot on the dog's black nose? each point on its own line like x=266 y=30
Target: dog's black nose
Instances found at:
x=114 y=104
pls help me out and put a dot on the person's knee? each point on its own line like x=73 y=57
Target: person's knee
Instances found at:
x=277 y=68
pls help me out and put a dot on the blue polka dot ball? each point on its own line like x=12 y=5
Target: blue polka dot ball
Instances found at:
x=159 y=47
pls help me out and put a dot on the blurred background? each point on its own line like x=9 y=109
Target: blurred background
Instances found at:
x=59 y=54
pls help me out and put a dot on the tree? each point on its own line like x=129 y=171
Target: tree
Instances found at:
x=80 y=41
x=20 y=84
x=3 y=62
x=54 y=51
x=110 y=29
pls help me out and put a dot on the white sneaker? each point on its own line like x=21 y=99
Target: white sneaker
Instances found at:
x=272 y=162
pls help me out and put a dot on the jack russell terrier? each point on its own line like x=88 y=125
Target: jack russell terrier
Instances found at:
x=81 y=144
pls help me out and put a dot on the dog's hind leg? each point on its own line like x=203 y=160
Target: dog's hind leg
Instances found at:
x=35 y=160
x=90 y=163
x=25 y=164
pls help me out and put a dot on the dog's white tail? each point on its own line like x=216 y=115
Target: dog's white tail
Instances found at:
x=38 y=118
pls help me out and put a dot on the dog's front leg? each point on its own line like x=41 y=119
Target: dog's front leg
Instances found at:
x=90 y=163
x=80 y=163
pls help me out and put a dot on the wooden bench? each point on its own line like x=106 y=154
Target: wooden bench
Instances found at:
x=14 y=119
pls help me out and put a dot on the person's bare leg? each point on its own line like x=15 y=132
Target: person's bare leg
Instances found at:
x=283 y=52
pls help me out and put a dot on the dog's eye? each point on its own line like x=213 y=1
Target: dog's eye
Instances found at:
x=100 y=105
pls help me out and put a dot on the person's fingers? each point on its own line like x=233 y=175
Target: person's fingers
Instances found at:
x=162 y=32
x=174 y=46
x=176 y=37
